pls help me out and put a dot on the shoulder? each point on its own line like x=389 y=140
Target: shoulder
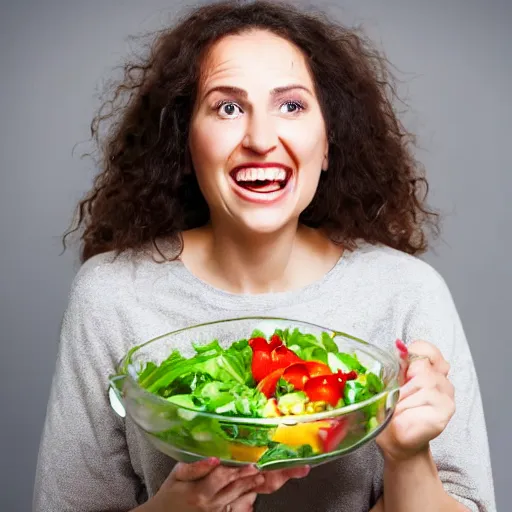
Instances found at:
x=411 y=294
x=102 y=272
x=399 y=271
x=108 y=279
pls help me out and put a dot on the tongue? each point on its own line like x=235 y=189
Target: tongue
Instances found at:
x=263 y=187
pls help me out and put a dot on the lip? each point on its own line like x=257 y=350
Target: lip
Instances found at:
x=255 y=197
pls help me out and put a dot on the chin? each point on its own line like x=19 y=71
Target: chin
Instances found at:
x=265 y=223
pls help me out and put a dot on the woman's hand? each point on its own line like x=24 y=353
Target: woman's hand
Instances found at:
x=425 y=406
x=275 y=479
x=206 y=486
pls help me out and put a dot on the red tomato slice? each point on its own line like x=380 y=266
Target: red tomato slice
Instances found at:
x=268 y=385
x=324 y=388
x=297 y=375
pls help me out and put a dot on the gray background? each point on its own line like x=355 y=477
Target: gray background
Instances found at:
x=454 y=57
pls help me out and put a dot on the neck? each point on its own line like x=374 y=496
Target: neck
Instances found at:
x=256 y=264
x=245 y=263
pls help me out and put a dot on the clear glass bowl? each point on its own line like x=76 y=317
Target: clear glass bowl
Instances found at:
x=188 y=435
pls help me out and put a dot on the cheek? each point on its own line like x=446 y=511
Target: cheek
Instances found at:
x=309 y=144
x=211 y=146
x=307 y=140
x=308 y=186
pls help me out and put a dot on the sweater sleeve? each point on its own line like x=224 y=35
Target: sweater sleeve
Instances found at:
x=461 y=452
x=83 y=463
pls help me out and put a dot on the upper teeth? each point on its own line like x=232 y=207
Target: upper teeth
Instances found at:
x=261 y=174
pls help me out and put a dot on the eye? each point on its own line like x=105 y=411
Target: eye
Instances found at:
x=228 y=110
x=291 y=107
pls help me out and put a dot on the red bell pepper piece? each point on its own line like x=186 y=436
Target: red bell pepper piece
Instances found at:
x=332 y=436
x=316 y=368
x=328 y=388
x=259 y=344
x=347 y=376
x=325 y=388
x=275 y=341
x=268 y=385
x=297 y=375
x=261 y=365
x=281 y=357
x=267 y=357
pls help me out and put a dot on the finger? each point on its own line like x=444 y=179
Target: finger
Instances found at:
x=426 y=397
x=447 y=388
x=245 y=503
x=237 y=489
x=299 y=472
x=424 y=348
x=421 y=425
x=419 y=366
x=224 y=476
x=427 y=380
x=422 y=398
x=194 y=471
x=275 y=479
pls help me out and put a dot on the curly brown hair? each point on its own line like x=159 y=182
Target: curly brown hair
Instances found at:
x=147 y=190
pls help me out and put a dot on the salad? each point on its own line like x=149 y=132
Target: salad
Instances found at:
x=289 y=373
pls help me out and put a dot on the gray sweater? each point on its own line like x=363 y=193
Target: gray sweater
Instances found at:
x=91 y=460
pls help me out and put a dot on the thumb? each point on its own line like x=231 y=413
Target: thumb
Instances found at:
x=194 y=471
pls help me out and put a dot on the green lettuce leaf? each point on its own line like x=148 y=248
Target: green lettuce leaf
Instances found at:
x=374 y=383
x=258 y=334
x=279 y=451
x=212 y=348
x=296 y=338
x=283 y=388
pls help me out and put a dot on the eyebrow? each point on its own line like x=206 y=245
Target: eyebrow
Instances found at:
x=236 y=91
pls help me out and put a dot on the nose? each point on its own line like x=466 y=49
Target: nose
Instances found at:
x=260 y=135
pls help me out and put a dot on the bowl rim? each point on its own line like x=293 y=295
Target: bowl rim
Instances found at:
x=126 y=370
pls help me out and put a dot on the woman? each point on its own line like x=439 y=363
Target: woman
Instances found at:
x=257 y=167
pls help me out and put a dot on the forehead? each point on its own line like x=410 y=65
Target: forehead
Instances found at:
x=254 y=58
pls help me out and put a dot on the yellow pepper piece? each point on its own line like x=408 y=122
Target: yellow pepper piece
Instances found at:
x=245 y=453
x=302 y=433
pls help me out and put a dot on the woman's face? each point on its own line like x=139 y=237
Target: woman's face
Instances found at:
x=257 y=137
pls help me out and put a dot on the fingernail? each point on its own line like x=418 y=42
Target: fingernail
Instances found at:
x=402 y=348
x=259 y=480
x=213 y=461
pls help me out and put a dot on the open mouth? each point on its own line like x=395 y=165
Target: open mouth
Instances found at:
x=261 y=180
